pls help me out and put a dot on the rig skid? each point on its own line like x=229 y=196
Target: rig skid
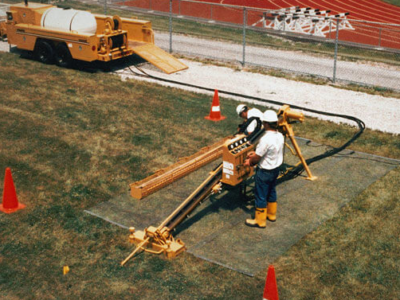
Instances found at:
x=231 y=172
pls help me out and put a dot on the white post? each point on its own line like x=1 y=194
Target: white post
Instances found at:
x=244 y=35
x=170 y=26
x=336 y=50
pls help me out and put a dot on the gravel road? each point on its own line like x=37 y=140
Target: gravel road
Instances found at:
x=378 y=74
x=378 y=113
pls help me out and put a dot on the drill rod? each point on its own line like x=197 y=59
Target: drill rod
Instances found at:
x=193 y=200
x=185 y=208
x=136 y=250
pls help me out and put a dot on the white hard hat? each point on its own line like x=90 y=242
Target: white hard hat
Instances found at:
x=269 y=116
x=240 y=108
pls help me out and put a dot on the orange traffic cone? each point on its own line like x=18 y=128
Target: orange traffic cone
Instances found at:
x=215 y=112
x=10 y=201
x=271 y=289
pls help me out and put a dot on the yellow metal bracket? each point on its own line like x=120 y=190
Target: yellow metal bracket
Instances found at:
x=285 y=116
x=155 y=241
x=160 y=240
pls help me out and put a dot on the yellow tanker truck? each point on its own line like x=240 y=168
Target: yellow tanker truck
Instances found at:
x=62 y=35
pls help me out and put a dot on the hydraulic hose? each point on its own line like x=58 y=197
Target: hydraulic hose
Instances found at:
x=258 y=131
x=297 y=170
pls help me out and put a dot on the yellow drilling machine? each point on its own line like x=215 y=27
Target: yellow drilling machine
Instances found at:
x=60 y=35
x=230 y=172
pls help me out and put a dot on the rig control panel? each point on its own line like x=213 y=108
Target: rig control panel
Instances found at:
x=234 y=154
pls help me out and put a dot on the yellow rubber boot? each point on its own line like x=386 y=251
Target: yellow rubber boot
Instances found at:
x=272 y=206
x=260 y=219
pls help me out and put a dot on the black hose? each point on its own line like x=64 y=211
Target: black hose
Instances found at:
x=297 y=170
x=254 y=136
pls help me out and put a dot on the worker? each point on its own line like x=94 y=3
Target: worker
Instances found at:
x=245 y=113
x=269 y=156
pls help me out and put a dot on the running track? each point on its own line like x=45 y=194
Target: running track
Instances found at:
x=378 y=11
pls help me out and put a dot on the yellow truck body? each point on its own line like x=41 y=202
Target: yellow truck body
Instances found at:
x=109 y=37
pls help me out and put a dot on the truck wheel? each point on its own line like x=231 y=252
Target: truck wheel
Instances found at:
x=44 y=52
x=63 y=56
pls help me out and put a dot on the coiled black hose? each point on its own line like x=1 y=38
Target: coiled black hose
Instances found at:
x=297 y=170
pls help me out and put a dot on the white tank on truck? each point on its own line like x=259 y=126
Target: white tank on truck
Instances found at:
x=65 y=36
x=70 y=20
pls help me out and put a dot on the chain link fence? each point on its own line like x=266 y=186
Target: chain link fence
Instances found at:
x=315 y=44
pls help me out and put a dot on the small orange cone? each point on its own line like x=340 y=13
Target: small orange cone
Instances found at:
x=215 y=112
x=65 y=270
x=10 y=201
x=271 y=289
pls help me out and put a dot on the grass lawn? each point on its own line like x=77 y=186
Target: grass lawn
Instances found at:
x=74 y=139
x=394 y=2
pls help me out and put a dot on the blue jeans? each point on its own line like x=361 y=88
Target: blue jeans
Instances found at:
x=265 y=190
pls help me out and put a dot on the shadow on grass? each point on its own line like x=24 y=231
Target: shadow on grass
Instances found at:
x=94 y=66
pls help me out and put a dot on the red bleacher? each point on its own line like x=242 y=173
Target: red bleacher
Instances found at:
x=378 y=32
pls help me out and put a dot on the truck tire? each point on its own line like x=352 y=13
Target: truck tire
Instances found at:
x=44 y=52
x=63 y=56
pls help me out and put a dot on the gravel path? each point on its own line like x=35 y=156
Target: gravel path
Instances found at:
x=378 y=113
x=4 y=47
x=378 y=74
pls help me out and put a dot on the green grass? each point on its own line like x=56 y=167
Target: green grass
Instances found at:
x=70 y=139
x=353 y=255
x=394 y=2
x=74 y=139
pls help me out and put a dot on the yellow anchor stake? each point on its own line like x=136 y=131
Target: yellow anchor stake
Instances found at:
x=135 y=251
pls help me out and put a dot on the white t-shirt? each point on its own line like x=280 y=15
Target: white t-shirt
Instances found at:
x=254 y=112
x=270 y=148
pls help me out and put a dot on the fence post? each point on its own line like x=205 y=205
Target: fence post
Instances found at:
x=105 y=7
x=170 y=26
x=380 y=37
x=264 y=19
x=336 y=50
x=244 y=35
x=284 y=23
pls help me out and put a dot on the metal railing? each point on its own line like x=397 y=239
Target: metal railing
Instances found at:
x=247 y=22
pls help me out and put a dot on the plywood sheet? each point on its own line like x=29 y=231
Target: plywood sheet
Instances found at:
x=157 y=57
x=216 y=231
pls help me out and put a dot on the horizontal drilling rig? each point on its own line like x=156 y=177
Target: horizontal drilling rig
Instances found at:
x=231 y=172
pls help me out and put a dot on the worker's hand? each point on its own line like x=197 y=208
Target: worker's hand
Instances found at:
x=251 y=154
